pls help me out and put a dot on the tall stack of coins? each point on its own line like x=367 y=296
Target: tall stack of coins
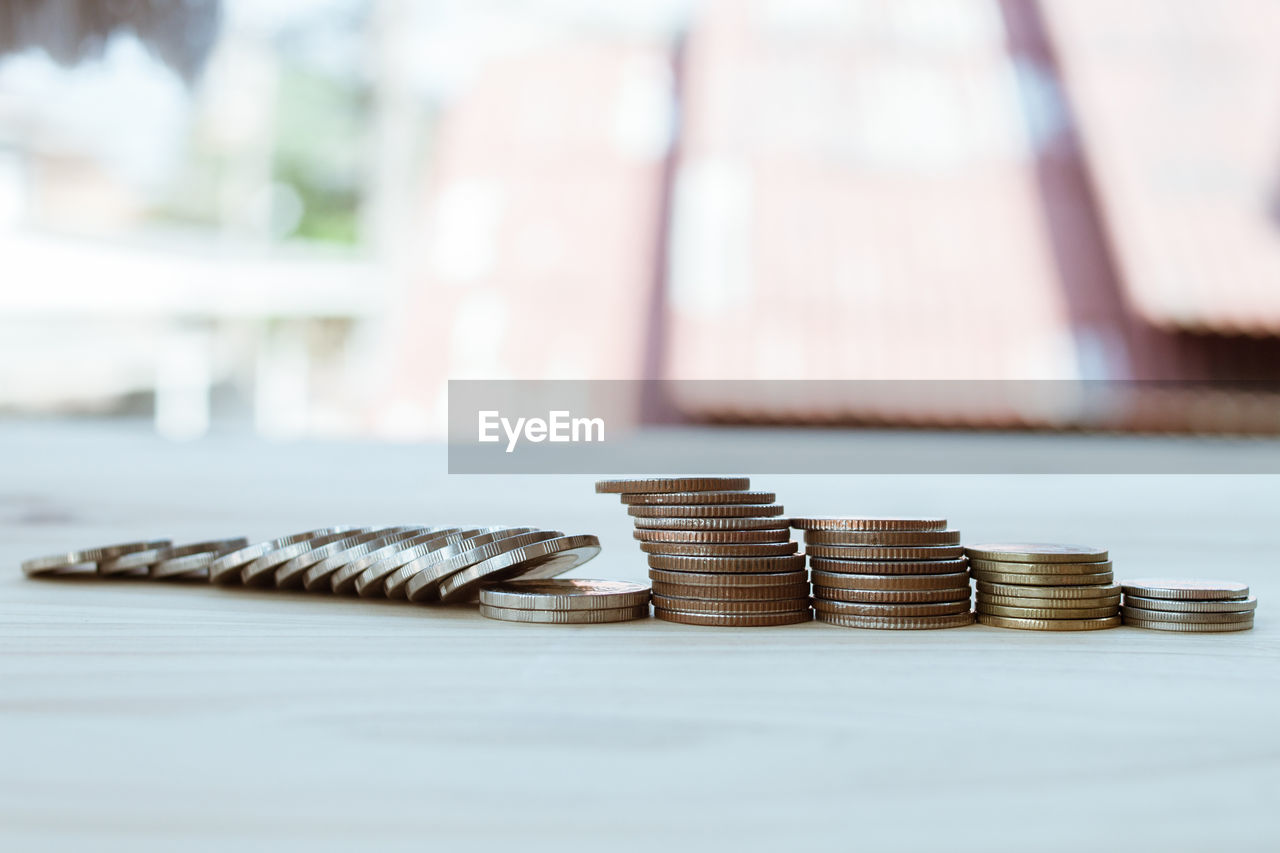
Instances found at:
x=1043 y=587
x=564 y=602
x=887 y=573
x=719 y=554
x=1188 y=606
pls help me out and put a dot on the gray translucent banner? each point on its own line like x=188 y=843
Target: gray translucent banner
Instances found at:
x=846 y=427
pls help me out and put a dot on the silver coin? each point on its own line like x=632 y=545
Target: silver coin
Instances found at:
x=539 y=560
x=261 y=572
x=193 y=559
x=338 y=573
x=84 y=558
x=1235 y=605
x=564 y=594
x=1189 y=627
x=135 y=563
x=1183 y=590
x=565 y=617
x=1199 y=618
x=392 y=586
x=423 y=582
x=290 y=574
x=226 y=569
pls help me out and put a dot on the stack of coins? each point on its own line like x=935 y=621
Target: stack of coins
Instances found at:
x=1188 y=606
x=887 y=573
x=564 y=602
x=1043 y=587
x=719 y=554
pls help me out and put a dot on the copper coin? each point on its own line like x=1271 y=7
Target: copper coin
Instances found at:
x=859 y=608
x=705 y=605
x=732 y=593
x=891 y=596
x=695 y=549
x=729 y=578
x=814 y=522
x=695 y=498
x=958 y=580
x=888 y=567
x=896 y=623
x=882 y=537
x=671 y=484
x=886 y=552
x=754 y=565
x=730 y=620
x=707 y=511
x=775 y=523
x=718 y=537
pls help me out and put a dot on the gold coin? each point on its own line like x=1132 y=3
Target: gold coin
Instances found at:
x=693 y=498
x=718 y=537
x=957 y=580
x=729 y=578
x=565 y=617
x=1235 y=605
x=813 y=522
x=891 y=596
x=754 y=565
x=859 y=608
x=707 y=511
x=1040 y=568
x=885 y=552
x=775 y=523
x=708 y=605
x=1028 y=579
x=888 y=567
x=1190 y=627
x=731 y=620
x=1049 y=624
x=1036 y=552
x=1017 y=590
x=893 y=623
x=564 y=594
x=695 y=549
x=1047 y=612
x=731 y=593
x=1185 y=590
x=1047 y=603
x=882 y=537
x=1201 y=618
x=671 y=484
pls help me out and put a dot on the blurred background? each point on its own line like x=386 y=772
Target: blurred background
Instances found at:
x=302 y=217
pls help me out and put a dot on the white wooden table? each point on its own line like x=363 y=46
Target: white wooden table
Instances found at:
x=138 y=715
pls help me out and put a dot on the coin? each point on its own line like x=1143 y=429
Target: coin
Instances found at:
x=387 y=577
x=891 y=596
x=774 y=523
x=226 y=569
x=344 y=578
x=1190 y=627
x=731 y=593
x=1083 y=591
x=1036 y=552
x=317 y=578
x=707 y=511
x=438 y=564
x=882 y=537
x=1049 y=624
x=1048 y=603
x=1047 y=612
x=1028 y=579
x=736 y=579
x=565 y=617
x=261 y=571
x=1185 y=590
x=695 y=549
x=892 y=623
x=1234 y=605
x=542 y=558
x=194 y=558
x=704 y=605
x=671 y=484
x=721 y=537
x=858 y=608
x=69 y=561
x=814 y=522
x=133 y=563
x=754 y=565
x=290 y=574
x=1041 y=568
x=886 y=552
x=1168 y=616
x=564 y=594
x=958 y=580
x=734 y=620
x=694 y=498
x=891 y=567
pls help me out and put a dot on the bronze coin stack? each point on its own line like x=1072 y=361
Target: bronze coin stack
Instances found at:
x=1044 y=587
x=719 y=553
x=887 y=573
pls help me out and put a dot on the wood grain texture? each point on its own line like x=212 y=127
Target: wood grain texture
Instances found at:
x=139 y=716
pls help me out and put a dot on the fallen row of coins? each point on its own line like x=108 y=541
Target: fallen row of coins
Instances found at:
x=422 y=564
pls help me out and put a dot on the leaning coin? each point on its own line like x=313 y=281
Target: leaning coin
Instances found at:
x=891 y=623
x=704 y=605
x=858 y=608
x=734 y=620
x=882 y=537
x=695 y=549
x=814 y=522
x=1036 y=552
x=1047 y=603
x=426 y=572
x=1043 y=580
x=888 y=567
x=1049 y=624
x=226 y=569
x=707 y=511
x=1040 y=568
x=736 y=579
x=1185 y=590
x=1189 y=627
x=694 y=498
x=261 y=572
x=730 y=523
x=1235 y=605
x=891 y=596
x=1167 y=616
x=671 y=484
x=69 y=561
x=317 y=578
x=731 y=593
x=342 y=578
x=544 y=559
x=958 y=580
x=1083 y=591
x=392 y=584
x=565 y=617
x=714 y=537
x=1047 y=612
x=372 y=581
x=886 y=552
x=193 y=559
x=290 y=574
x=564 y=594
x=752 y=565
x=135 y=563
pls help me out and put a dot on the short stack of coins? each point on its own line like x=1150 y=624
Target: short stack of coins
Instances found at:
x=1188 y=606
x=573 y=601
x=1044 y=587
x=887 y=573
x=719 y=553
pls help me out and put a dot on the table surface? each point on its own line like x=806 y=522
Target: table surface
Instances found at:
x=138 y=715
